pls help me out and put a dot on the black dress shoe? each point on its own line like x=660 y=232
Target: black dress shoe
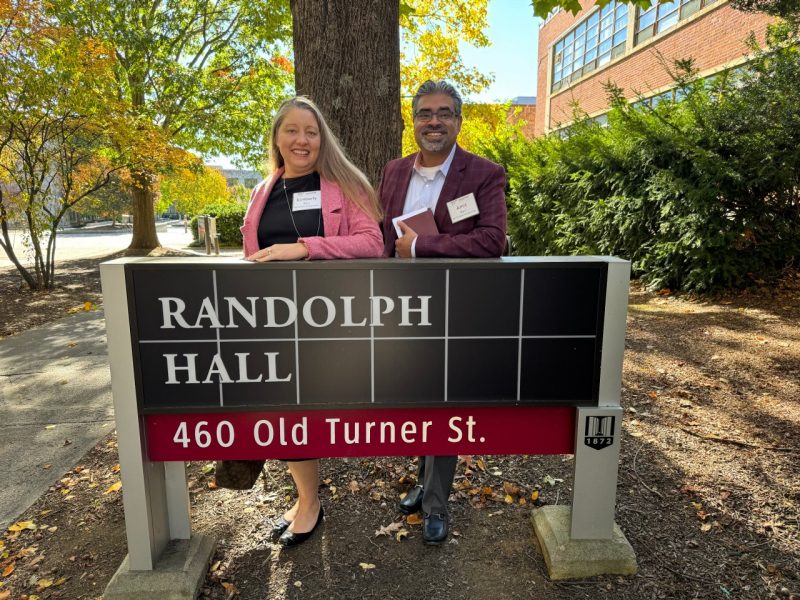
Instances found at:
x=412 y=501
x=290 y=538
x=434 y=529
x=278 y=527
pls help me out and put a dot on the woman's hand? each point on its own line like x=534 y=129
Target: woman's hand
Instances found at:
x=296 y=251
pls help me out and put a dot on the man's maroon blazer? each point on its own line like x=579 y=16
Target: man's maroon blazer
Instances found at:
x=481 y=236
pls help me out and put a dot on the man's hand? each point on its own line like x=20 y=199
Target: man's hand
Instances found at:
x=296 y=251
x=403 y=244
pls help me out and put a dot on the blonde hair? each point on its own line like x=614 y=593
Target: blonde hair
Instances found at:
x=332 y=164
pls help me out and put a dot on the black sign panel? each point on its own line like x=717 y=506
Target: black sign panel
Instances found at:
x=358 y=334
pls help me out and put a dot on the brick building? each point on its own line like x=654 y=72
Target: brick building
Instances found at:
x=523 y=108
x=630 y=46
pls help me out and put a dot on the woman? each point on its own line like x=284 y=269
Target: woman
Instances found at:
x=315 y=205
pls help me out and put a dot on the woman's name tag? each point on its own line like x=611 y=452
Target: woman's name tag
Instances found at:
x=462 y=208
x=306 y=200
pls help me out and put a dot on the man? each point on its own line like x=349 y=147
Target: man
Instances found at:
x=466 y=195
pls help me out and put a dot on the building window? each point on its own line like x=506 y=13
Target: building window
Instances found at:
x=599 y=38
x=660 y=17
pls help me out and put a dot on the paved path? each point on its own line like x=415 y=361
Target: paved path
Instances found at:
x=54 y=386
x=73 y=246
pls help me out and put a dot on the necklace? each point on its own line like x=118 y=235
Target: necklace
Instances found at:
x=291 y=216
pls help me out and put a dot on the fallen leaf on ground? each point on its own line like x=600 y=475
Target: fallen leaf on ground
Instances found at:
x=212 y=485
x=481 y=464
x=511 y=488
x=401 y=534
x=5 y=595
x=230 y=590
x=49 y=426
x=509 y=499
x=20 y=525
x=414 y=519
x=366 y=566
x=353 y=486
x=389 y=529
x=9 y=569
x=550 y=480
x=87 y=306
x=114 y=487
x=43 y=584
x=534 y=495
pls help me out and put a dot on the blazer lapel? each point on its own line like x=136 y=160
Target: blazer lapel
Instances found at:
x=401 y=186
x=332 y=203
x=451 y=186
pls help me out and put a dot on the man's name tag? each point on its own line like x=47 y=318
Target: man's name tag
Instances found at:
x=463 y=208
x=306 y=200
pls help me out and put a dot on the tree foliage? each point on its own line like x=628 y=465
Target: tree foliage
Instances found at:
x=698 y=194
x=542 y=8
x=58 y=121
x=789 y=10
x=198 y=74
x=189 y=190
x=431 y=31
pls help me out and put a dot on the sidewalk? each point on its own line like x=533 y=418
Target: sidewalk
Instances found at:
x=55 y=403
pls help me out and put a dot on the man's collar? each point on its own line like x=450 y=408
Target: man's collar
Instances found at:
x=444 y=167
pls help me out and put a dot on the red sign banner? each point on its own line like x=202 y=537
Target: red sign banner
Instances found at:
x=373 y=432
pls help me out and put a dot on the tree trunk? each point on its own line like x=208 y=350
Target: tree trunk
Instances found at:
x=347 y=60
x=144 y=218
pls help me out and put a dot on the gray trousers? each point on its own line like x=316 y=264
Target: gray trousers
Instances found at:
x=436 y=476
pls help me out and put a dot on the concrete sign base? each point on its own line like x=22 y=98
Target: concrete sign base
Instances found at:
x=178 y=574
x=568 y=558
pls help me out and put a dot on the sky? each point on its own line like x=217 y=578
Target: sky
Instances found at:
x=514 y=33
x=511 y=57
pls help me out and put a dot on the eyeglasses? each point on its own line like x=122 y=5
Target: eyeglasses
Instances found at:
x=425 y=116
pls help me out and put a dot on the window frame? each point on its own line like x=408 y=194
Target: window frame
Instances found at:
x=578 y=51
x=662 y=17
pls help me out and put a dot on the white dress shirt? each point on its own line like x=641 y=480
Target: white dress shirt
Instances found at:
x=425 y=186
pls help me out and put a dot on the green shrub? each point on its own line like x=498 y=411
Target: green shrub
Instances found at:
x=229 y=219
x=698 y=194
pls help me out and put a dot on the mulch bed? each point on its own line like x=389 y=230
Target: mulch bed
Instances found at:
x=708 y=488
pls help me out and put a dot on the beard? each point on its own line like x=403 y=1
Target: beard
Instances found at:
x=433 y=146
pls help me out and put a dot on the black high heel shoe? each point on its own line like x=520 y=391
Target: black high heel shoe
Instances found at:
x=278 y=527
x=290 y=538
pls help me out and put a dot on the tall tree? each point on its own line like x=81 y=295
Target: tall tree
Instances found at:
x=347 y=59
x=198 y=74
x=55 y=130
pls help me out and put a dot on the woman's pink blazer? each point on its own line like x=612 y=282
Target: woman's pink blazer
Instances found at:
x=349 y=231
